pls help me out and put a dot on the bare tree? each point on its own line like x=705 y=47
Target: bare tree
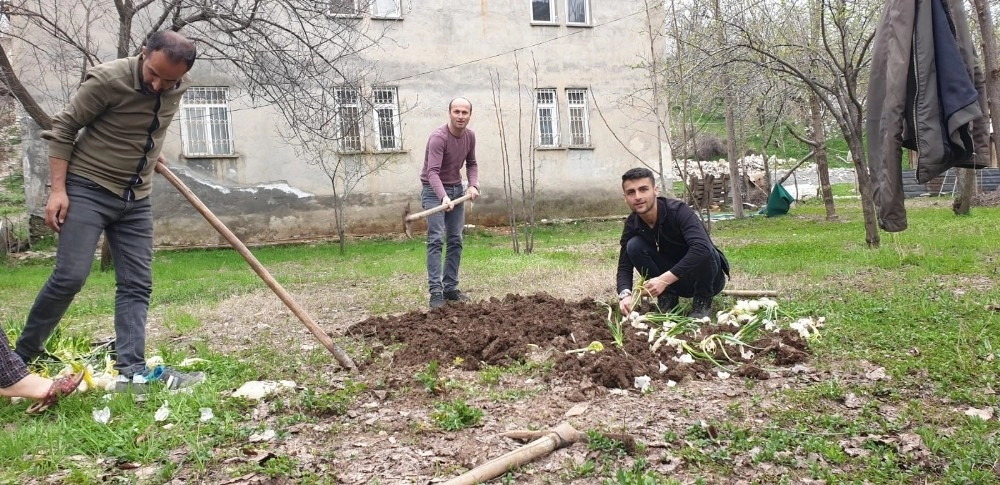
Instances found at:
x=508 y=184
x=832 y=67
x=675 y=59
x=328 y=133
x=520 y=165
x=529 y=164
x=289 y=54
x=269 y=46
x=729 y=101
x=965 y=182
x=991 y=66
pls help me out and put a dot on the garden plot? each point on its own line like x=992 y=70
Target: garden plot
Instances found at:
x=586 y=341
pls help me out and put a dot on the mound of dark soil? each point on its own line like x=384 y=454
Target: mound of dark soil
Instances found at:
x=987 y=199
x=520 y=328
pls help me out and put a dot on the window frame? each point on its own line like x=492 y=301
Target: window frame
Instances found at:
x=397 y=131
x=588 y=20
x=359 y=126
x=584 y=119
x=188 y=124
x=553 y=117
x=554 y=19
x=389 y=15
x=358 y=12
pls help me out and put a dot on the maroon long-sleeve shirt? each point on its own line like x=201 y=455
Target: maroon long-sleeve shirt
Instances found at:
x=444 y=158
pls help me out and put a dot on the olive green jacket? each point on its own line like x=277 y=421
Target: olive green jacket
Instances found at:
x=104 y=130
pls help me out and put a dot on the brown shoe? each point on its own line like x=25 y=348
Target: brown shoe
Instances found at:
x=61 y=387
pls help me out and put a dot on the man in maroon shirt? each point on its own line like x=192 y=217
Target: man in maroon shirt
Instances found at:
x=448 y=148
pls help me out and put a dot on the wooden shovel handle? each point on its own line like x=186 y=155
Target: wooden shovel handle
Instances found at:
x=338 y=353
x=432 y=210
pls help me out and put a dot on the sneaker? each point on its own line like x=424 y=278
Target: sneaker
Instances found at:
x=173 y=378
x=437 y=300
x=136 y=384
x=455 y=295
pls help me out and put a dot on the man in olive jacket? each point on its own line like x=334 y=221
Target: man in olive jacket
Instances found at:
x=103 y=149
x=667 y=243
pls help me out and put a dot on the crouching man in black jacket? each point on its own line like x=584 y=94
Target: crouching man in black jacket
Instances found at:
x=667 y=243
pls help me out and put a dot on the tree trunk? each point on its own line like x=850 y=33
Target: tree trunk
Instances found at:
x=818 y=129
x=42 y=119
x=991 y=68
x=965 y=188
x=865 y=188
x=822 y=165
x=735 y=181
x=654 y=75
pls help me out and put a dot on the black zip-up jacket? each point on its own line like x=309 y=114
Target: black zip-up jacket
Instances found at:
x=678 y=231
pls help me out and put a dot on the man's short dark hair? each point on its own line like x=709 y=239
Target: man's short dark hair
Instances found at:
x=175 y=46
x=639 y=173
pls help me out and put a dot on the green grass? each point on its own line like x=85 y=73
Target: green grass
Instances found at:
x=919 y=307
x=12 y=194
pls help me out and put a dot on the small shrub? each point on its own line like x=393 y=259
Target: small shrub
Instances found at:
x=637 y=475
x=596 y=441
x=430 y=378
x=455 y=415
x=490 y=375
x=332 y=403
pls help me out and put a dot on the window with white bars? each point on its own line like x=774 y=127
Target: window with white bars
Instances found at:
x=578 y=12
x=543 y=11
x=385 y=116
x=386 y=9
x=205 y=121
x=348 y=119
x=547 y=117
x=579 y=117
x=343 y=7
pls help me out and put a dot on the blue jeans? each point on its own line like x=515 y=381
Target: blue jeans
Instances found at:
x=129 y=228
x=705 y=281
x=440 y=225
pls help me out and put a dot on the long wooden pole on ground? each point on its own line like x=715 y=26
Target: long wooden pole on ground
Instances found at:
x=338 y=353
x=561 y=436
x=750 y=292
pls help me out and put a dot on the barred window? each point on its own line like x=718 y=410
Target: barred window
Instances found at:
x=349 y=127
x=343 y=7
x=385 y=113
x=547 y=117
x=205 y=121
x=579 y=117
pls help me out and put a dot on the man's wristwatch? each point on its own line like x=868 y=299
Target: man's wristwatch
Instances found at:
x=624 y=293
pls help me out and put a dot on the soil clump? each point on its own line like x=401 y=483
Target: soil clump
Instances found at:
x=537 y=327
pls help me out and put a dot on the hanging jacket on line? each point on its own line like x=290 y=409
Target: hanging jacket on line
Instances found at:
x=925 y=93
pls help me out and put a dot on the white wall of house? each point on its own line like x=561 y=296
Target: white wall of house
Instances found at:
x=435 y=51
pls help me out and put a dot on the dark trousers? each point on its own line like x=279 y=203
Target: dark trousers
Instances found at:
x=129 y=228
x=705 y=281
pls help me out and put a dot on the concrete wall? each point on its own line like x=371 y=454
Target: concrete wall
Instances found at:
x=438 y=51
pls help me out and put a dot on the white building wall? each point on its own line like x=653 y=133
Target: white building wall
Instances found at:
x=437 y=51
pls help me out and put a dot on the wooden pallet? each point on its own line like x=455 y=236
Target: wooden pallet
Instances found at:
x=719 y=186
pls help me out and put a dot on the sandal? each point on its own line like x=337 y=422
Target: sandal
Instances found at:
x=61 y=387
